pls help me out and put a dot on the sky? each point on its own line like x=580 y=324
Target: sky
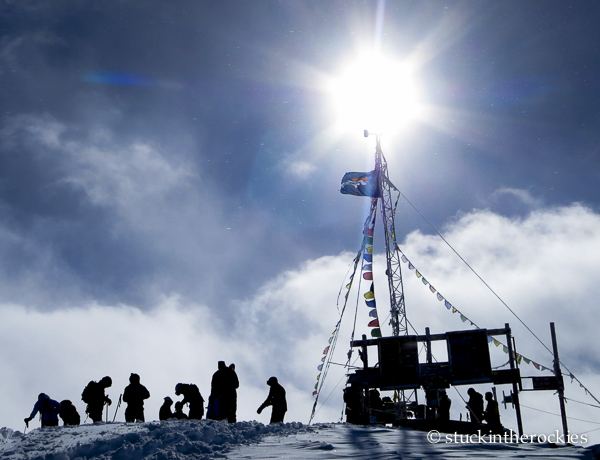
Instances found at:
x=170 y=174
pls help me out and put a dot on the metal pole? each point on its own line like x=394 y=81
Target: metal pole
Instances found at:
x=511 y=360
x=560 y=382
x=429 y=355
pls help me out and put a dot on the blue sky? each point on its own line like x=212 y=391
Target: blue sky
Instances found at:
x=183 y=153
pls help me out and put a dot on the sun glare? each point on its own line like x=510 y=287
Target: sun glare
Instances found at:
x=375 y=93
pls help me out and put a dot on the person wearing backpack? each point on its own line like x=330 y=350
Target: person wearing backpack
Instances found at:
x=48 y=409
x=93 y=395
x=134 y=396
x=68 y=413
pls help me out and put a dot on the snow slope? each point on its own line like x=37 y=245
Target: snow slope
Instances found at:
x=207 y=439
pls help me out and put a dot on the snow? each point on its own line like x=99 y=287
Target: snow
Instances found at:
x=208 y=439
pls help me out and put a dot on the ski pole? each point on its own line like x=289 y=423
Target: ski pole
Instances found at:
x=106 y=413
x=117 y=409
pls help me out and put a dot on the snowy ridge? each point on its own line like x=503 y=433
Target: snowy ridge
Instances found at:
x=208 y=439
x=173 y=439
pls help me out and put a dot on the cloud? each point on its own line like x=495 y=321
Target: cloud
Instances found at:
x=543 y=266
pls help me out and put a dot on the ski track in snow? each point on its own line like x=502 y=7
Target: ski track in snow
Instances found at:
x=208 y=439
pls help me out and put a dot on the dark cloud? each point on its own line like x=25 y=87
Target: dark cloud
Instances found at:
x=185 y=147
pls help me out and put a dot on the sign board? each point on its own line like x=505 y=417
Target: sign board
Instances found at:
x=544 y=383
x=399 y=362
x=469 y=357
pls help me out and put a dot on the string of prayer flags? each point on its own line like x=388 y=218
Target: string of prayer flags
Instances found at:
x=464 y=318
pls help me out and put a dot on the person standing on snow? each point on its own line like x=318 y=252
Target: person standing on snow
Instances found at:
x=235 y=384
x=276 y=399
x=48 y=409
x=134 y=396
x=93 y=395
x=492 y=413
x=222 y=393
x=475 y=405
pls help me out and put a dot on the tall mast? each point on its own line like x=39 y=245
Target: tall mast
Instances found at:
x=398 y=319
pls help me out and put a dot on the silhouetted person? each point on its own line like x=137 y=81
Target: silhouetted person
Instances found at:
x=444 y=407
x=48 y=409
x=375 y=402
x=179 y=414
x=165 y=412
x=475 y=405
x=191 y=396
x=276 y=399
x=492 y=413
x=232 y=417
x=134 y=395
x=93 y=395
x=222 y=393
x=68 y=413
x=353 y=397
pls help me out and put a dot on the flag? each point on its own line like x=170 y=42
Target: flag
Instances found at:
x=374 y=323
x=360 y=184
x=376 y=332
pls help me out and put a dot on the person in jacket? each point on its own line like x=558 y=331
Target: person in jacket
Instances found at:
x=492 y=413
x=191 y=396
x=93 y=395
x=276 y=399
x=232 y=417
x=134 y=395
x=48 y=409
x=165 y=412
x=68 y=413
x=223 y=388
x=475 y=405
x=179 y=414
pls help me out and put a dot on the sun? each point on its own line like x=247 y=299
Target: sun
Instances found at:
x=375 y=93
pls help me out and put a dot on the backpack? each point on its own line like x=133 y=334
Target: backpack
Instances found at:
x=88 y=393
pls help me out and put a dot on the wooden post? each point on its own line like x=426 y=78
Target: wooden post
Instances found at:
x=511 y=360
x=560 y=382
